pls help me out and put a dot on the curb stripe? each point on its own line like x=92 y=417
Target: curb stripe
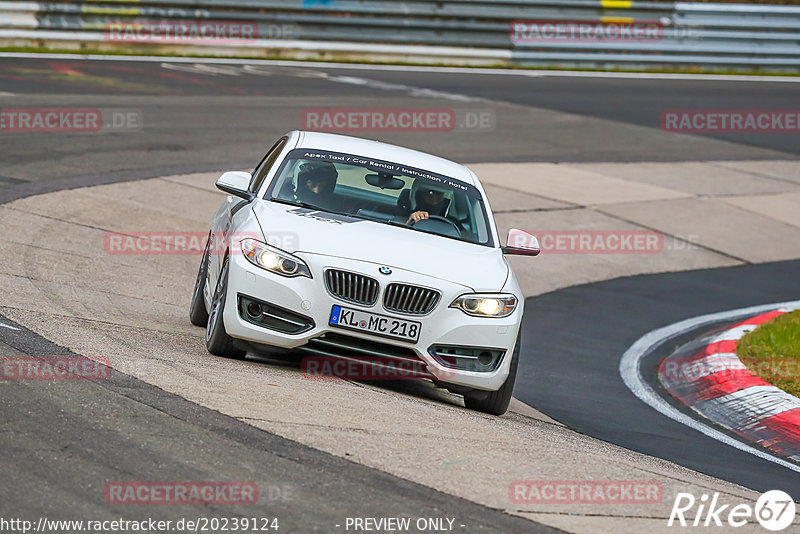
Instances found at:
x=780 y=433
x=743 y=408
x=763 y=318
x=716 y=384
x=734 y=334
x=630 y=369
x=721 y=385
x=718 y=347
x=673 y=371
x=787 y=425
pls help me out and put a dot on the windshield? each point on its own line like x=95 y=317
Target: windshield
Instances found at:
x=384 y=192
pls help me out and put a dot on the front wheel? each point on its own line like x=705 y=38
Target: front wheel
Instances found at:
x=198 y=314
x=218 y=342
x=496 y=402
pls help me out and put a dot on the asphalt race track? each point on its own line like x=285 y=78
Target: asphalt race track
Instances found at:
x=181 y=107
x=203 y=118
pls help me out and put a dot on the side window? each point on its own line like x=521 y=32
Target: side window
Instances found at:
x=266 y=164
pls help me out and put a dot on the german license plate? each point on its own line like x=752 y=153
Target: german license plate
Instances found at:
x=373 y=323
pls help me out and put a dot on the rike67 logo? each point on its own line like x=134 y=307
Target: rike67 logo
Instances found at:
x=774 y=510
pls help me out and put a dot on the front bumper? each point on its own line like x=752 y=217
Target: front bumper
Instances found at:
x=309 y=297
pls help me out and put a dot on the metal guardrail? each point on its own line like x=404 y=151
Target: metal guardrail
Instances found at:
x=520 y=32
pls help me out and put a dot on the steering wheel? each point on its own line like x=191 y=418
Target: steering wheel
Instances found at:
x=439 y=218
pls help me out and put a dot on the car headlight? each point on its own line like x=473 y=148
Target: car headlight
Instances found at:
x=481 y=305
x=273 y=259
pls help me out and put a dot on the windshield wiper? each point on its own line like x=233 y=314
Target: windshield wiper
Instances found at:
x=301 y=204
x=298 y=203
x=378 y=220
x=392 y=223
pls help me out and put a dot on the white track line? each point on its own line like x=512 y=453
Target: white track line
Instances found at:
x=4 y=325
x=532 y=73
x=630 y=371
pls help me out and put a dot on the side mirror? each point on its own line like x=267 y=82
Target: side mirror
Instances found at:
x=521 y=243
x=236 y=183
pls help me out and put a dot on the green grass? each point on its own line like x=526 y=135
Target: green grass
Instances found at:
x=773 y=352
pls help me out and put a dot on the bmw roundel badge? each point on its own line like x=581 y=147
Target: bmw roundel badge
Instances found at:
x=385 y=270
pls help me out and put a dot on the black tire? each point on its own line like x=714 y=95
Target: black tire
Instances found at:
x=218 y=342
x=496 y=402
x=198 y=314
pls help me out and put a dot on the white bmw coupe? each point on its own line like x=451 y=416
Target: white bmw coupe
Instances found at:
x=360 y=251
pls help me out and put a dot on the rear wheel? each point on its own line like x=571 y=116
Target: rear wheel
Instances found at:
x=496 y=402
x=198 y=314
x=218 y=342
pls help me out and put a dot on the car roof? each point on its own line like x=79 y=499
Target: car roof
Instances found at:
x=385 y=151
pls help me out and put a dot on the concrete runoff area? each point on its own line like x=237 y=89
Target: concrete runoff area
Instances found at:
x=60 y=281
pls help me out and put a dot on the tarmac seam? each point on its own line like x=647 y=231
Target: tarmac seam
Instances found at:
x=533 y=210
x=673 y=236
x=753 y=173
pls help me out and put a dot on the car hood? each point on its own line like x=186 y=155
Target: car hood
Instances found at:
x=302 y=230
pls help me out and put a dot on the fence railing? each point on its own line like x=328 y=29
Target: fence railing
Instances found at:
x=521 y=32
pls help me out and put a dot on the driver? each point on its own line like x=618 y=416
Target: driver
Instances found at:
x=427 y=201
x=315 y=183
